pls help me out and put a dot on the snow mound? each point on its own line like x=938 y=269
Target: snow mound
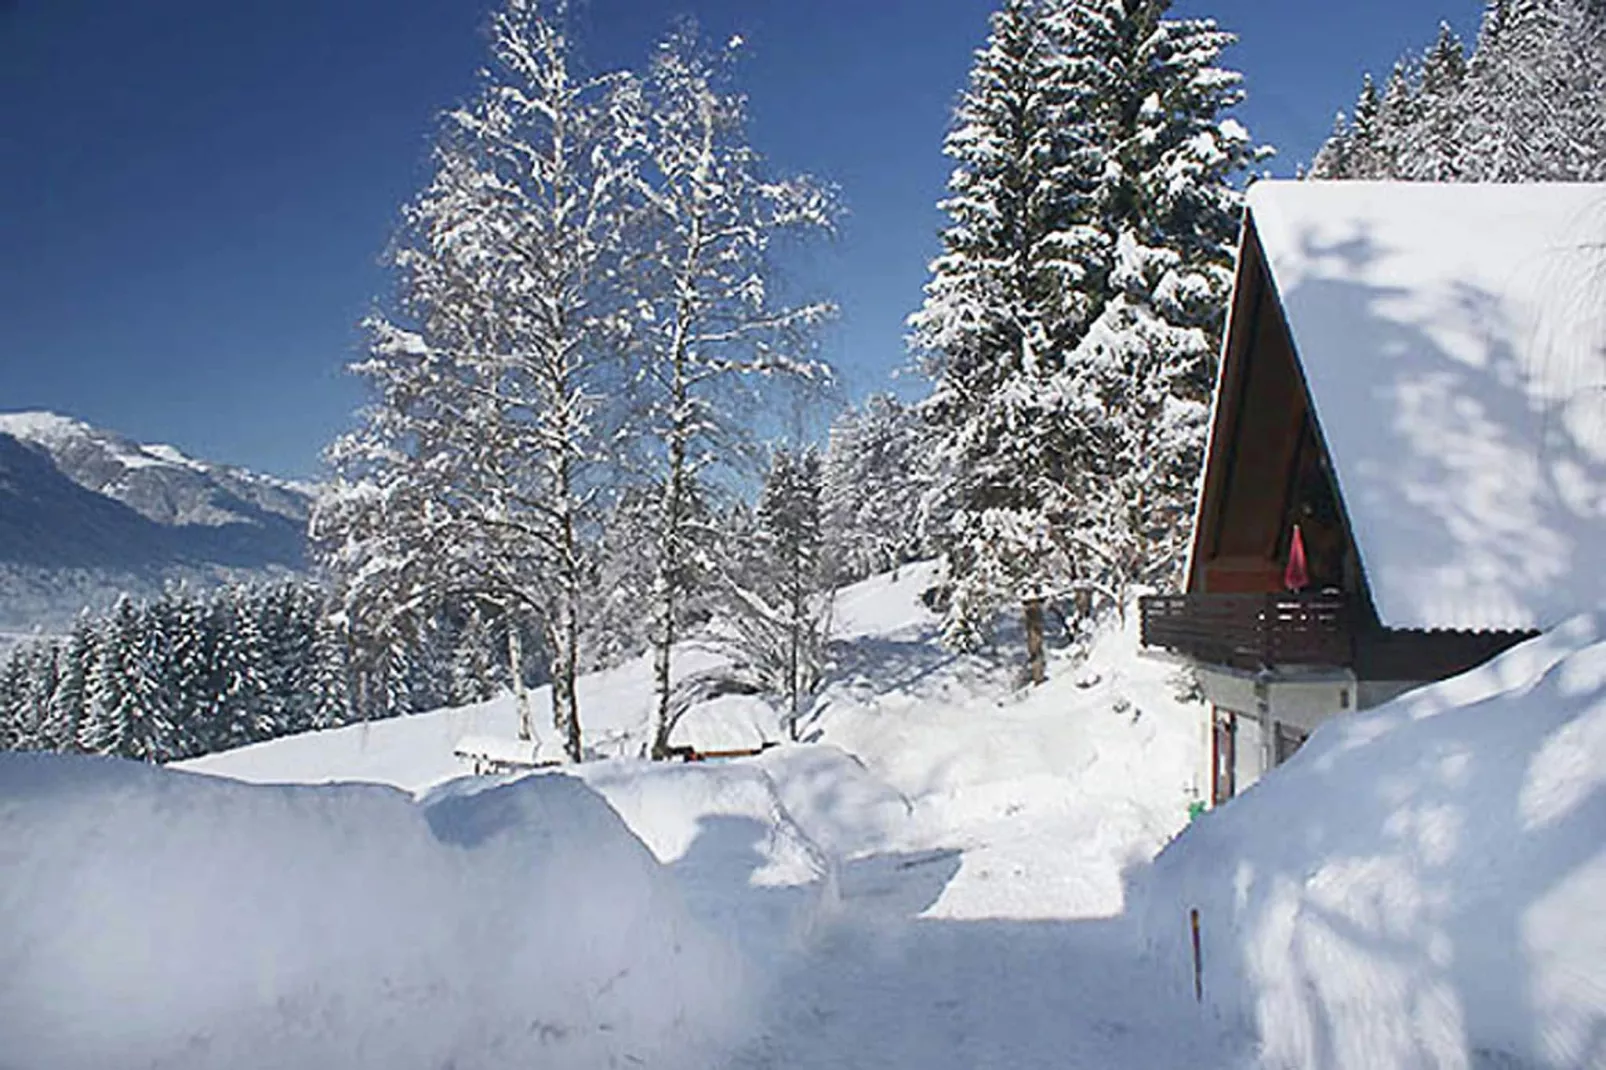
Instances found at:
x=743 y=864
x=668 y=805
x=1421 y=885
x=835 y=799
x=157 y=918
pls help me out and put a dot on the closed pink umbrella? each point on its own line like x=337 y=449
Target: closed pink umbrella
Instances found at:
x=1295 y=576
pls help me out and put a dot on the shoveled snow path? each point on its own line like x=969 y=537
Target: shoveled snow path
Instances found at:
x=936 y=879
x=981 y=921
x=890 y=985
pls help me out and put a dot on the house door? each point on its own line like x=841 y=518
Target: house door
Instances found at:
x=1223 y=755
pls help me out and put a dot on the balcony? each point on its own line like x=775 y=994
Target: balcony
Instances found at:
x=1252 y=631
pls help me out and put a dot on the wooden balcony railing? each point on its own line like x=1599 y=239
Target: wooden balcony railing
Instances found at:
x=1252 y=631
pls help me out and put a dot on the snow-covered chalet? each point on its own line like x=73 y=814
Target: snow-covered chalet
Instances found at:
x=1406 y=471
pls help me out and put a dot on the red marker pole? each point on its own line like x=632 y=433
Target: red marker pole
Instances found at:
x=1198 y=965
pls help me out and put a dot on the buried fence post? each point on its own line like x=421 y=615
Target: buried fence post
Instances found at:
x=1198 y=970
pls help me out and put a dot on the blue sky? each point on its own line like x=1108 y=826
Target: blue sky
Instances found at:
x=194 y=195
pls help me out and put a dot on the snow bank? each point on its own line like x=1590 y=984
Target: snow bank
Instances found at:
x=744 y=866
x=835 y=800
x=150 y=917
x=1422 y=885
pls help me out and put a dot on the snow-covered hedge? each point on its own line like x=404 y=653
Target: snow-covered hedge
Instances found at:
x=152 y=917
x=1422 y=885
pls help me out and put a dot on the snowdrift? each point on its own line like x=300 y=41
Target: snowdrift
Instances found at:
x=745 y=868
x=1421 y=886
x=151 y=917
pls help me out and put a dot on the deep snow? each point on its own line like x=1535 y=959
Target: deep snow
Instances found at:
x=159 y=918
x=951 y=873
x=1423 y=885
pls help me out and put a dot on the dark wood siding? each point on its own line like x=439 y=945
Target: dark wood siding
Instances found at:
x=1402 y=654
x=1265 y=455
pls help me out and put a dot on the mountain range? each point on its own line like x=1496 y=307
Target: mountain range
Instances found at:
x=87 y=514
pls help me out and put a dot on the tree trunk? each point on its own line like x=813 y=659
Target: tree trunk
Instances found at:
x=1035 y=666
x=667 y=583
x=563 y=639
x=793 y=684
x=515 y=667
x=666 y=591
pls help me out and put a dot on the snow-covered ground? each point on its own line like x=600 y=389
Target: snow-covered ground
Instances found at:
x=949 y=872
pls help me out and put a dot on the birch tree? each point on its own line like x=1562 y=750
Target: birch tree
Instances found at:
x=707 y=321
x=469 y=479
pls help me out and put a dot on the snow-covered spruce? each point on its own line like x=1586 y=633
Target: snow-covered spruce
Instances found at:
x=1528 y=104
x=780 y=615
x=876 y=472
x=193 y=673
x=1071 y=324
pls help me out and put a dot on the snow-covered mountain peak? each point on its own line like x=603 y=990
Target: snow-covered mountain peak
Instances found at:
x=42 y=427
x=86 y=513
x=160 y=482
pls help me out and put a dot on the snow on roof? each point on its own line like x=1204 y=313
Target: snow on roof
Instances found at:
x=1453 y=338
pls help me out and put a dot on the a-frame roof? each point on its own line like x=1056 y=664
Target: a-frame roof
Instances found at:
x=1453 y=342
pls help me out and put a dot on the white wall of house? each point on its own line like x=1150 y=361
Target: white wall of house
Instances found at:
x=1298 y=701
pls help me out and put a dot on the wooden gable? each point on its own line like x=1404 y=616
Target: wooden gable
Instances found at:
x=1267 y=467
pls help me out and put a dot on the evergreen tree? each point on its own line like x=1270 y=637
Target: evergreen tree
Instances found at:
x=67 y=703
x=104 y=728
x=240 y=713
x=792 y=539
x=13 y=687
x=137 y=722
x=1136 y=390
x=329 y=697
x=42 y=672
x=472 y=668
x=1351 y=151
x=1020 y=278
x=1528 y=105
x=1084 y=276
x=875 y=475
x=1428 y=149
x=183 y=676
x=192 y=673
x=618 y=623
